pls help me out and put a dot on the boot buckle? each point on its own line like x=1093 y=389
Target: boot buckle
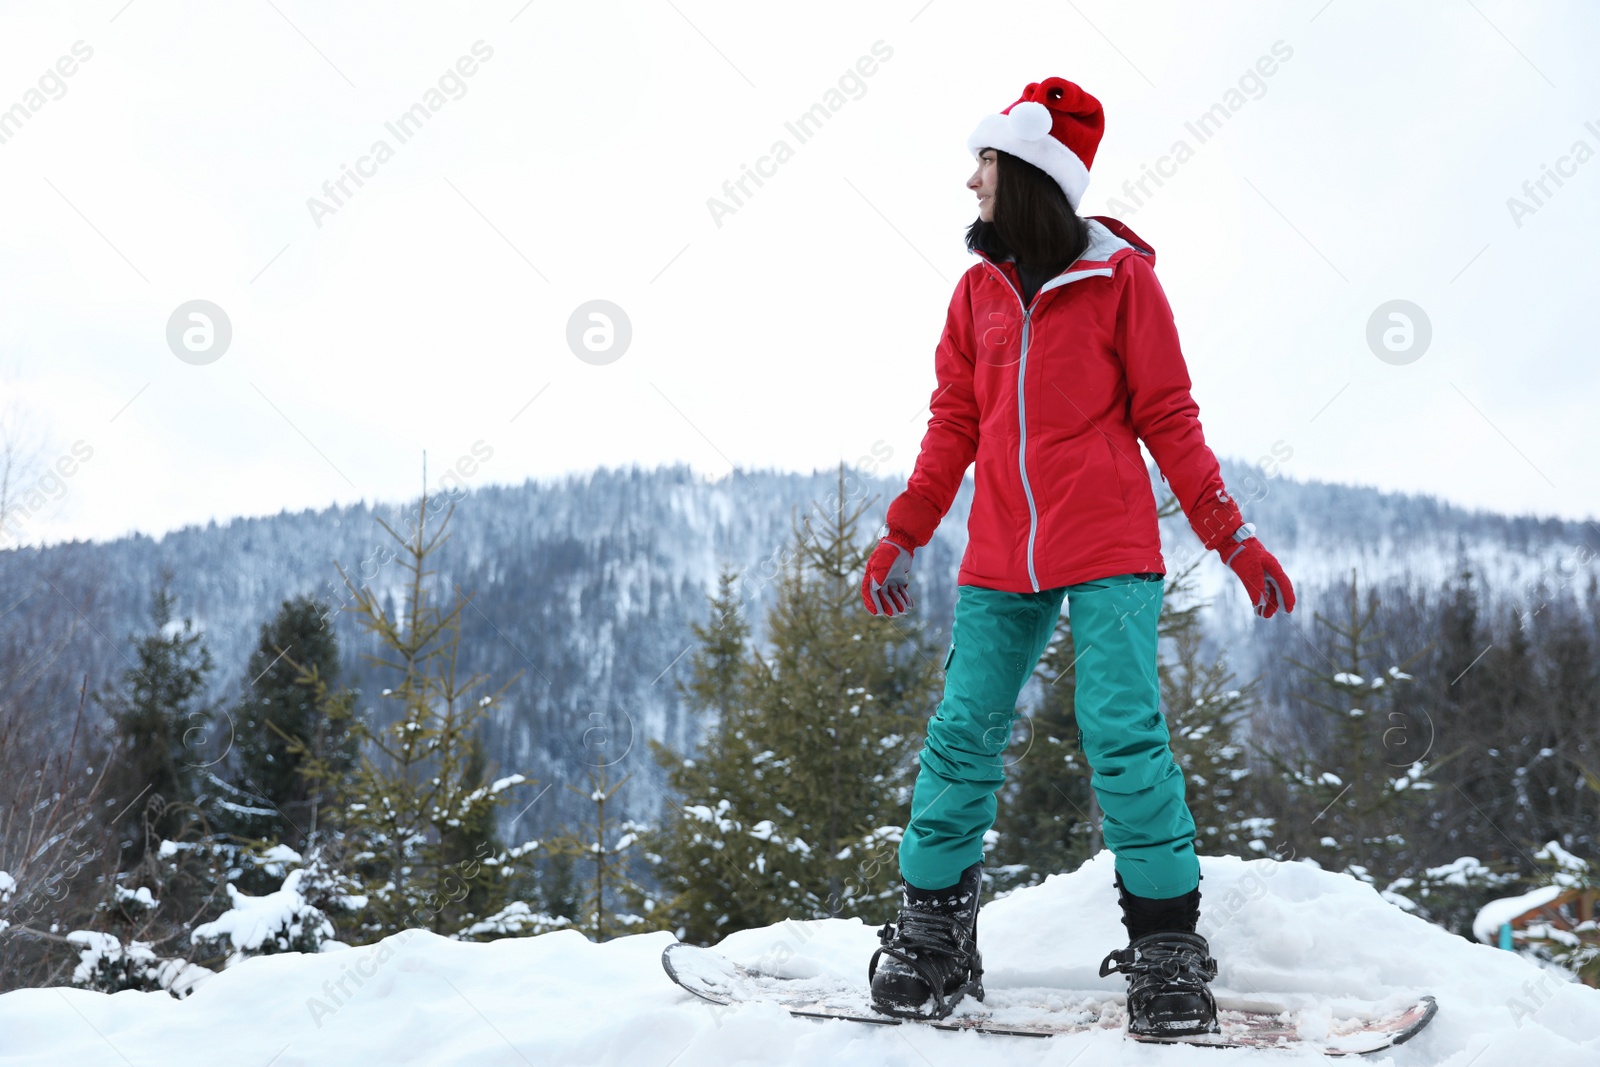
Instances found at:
x=1122 y=958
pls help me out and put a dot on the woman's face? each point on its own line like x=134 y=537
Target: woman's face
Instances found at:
x=983 y=182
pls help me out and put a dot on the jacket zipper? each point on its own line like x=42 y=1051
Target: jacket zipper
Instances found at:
x=1022 y=421
x=1022 y=411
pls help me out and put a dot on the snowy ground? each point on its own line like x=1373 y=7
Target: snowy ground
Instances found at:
x=1279 y=928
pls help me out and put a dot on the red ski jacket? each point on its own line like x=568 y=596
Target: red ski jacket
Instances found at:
x=1051 y=400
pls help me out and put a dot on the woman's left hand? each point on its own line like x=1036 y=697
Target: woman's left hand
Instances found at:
x=886 y=586
x=1262 y=576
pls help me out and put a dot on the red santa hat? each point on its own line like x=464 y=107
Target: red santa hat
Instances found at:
x=1055 y=125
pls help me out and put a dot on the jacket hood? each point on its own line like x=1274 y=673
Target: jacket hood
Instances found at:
x=1109 y=240
x=1108 y=237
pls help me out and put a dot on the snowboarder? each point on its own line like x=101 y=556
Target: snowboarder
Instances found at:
x=1059 y=355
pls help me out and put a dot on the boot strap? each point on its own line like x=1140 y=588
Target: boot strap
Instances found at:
x=931 y=932
x=1167 y=963
x=942 y=1003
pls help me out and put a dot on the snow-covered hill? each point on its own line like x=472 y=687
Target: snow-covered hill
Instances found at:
x=588 y=587
x=1286 y=929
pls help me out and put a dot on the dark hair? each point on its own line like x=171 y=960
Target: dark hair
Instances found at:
x=1032 y=219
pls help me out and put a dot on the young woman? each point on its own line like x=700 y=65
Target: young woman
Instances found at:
x=1059 y=355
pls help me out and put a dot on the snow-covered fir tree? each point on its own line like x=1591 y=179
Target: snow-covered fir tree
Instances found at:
x=163 y=728
x=417 y=802
x=608 y=901
x=1354 y=770
x=268 y=796
x=793 y=806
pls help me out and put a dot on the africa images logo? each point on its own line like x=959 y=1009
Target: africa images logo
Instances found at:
x=803 y=128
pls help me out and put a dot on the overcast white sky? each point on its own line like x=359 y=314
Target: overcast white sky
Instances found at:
x=430 y=310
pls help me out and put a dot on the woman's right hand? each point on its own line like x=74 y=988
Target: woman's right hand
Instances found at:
x=886 y=587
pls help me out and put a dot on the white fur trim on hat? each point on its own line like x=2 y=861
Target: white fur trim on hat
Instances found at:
x=1025 y=133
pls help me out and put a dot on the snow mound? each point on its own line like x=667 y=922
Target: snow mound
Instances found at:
x=1288 y=931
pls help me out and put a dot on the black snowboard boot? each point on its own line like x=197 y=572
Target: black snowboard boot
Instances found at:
x=1167 y=964
x=931 y=961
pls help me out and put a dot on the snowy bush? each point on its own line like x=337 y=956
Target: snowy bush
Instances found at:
x=134 y=900
x=277 y=860
x=323 y=882
x=282 y=921
x=105 y=965
x=516 y=919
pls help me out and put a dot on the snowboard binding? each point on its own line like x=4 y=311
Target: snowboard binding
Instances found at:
x=1167 y=964
x=932 y=950
x=1167 y=993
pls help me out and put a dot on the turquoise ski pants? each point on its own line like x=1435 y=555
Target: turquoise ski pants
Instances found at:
x=996 y=640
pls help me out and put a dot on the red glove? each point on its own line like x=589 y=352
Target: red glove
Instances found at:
x=1263 y=578
x=1222 y=528
x=886 y=587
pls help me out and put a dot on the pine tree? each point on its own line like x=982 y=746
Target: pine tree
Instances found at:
x=720 y=775
x=792 y=809
x=173 y=869
x=1458 y=697
x=717 y=681
x=164 y=731
x=1357 y=786
x=473 y=848
x=1566 y=732
x=275 y=803
x=1500 y=789
x=415 y=796
x=558 y=893
x=326 y=760
x=609 y=902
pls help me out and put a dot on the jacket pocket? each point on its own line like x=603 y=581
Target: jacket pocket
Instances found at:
x=948 y=656
x=1117 y=463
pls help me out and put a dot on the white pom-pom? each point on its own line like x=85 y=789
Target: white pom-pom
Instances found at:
x=1030 y=120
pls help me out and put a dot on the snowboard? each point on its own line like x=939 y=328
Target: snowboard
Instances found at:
x=1044 y=1012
